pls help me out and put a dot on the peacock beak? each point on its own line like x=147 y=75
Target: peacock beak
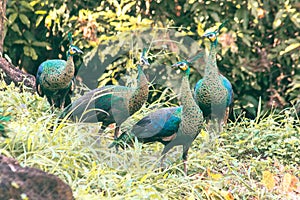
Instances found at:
x=144 y=61
x=147 y=62
x=205 y=35
x=79 y=51
x=174 y=65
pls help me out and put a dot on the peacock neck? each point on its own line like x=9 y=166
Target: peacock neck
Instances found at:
x=211 y=68
x=140 y=95
x=142 y=81
x=186 y=94
x=69 y=68
x=191 y=117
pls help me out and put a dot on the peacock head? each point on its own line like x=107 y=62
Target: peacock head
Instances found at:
x=143 y=58
x=73 y=50
x=182 y=65
x=212 y=35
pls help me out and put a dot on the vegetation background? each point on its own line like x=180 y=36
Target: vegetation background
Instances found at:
x=254 y=159
x=260 y=50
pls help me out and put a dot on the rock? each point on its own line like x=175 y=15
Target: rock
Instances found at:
x=29 y=183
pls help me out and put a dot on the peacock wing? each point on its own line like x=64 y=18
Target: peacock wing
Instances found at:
x=161 y=123
x=228 y=87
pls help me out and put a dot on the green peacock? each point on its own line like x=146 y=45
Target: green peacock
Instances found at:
x=4 y=118
x=171 y=126
x=158 y=126
x=111 y=104
x=213 y=93
x=55 y=78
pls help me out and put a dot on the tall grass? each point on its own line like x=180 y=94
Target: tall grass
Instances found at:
x=230 y=167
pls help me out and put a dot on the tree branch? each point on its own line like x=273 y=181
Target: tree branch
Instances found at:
x=14 y=74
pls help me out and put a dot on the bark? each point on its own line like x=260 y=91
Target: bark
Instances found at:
x=2 y=20
x=14 y=74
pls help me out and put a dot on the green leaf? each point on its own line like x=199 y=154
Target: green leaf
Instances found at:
x=24 y=19
x=30 y=52
x=12 y=18
x=278 y=19
x=16 y=29
x=27 y=5
x=290 y=48
x=29 y=36
x=40 y=44
x=127 y=7
x=39 y=20
x=246 y=41
x=40 y=12
x=20 y=42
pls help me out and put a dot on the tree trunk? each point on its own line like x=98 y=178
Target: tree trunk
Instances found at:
x=12 y=73
x=2 y=20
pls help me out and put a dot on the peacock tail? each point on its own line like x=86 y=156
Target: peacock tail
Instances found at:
x=55 y=79
x=213 y=93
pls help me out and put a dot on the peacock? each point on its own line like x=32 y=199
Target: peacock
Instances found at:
x=111 y=104
x=160 y=125
x=3 y=122
x=213 y=93
x=55 y=78
x=171 y=126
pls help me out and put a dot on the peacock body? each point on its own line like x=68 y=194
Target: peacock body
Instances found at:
x=171 y=126
x=55 y=79
x=213 y=93
x=158 y=126
x=111 y=104
x=191 y=116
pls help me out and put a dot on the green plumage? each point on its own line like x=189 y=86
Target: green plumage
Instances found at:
x=191 y=116
x=3 y=121
x=111 y=104
x=158 y=126
x=55 y=79
x=213 y=93
x=171 y=126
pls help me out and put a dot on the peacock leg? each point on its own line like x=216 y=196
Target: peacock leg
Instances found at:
x=52 y=104
x=62 y=105
x=116 y=134
x=184 y=157
x=220 y=125
x=185 y=151
x=162 y=161
x=167 y=148
x=226 y=116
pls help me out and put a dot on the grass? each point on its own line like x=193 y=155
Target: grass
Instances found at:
x=252 y=159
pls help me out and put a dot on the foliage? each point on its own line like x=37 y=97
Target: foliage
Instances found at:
x=231 y=168
x=259 y=55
